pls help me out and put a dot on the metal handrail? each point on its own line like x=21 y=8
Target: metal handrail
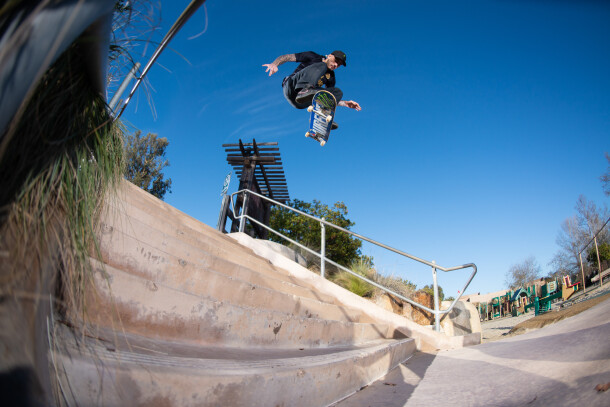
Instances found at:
x=182 y=19
x=436 y=311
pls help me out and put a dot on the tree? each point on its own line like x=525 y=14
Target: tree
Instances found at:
x=341 y=247
x=429 y=289
x=605 y=178
x=570 y=240
x=591 y=219
x=576 y=231
x=145 y=160
x=604 y=255
x=522 y=273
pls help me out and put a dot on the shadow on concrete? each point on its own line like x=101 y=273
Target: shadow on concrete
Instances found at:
x=395 y=388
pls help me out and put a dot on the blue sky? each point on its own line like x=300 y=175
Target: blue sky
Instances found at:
x=481 y=124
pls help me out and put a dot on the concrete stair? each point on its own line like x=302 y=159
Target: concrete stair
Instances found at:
x=140 y=371
x=159 y=310
x=184 y=315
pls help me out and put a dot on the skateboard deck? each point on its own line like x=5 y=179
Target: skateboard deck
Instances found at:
x=322 y=111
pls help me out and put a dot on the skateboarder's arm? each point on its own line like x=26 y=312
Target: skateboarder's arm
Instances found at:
x=351 y=104
x=272 y=67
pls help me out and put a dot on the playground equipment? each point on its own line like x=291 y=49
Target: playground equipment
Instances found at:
x=549 y=293
x=538 y=295
x=568 y=288
x=518 y=301
x=482 y=308
x=497 y=307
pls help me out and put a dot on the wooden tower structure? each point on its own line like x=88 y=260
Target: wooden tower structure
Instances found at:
x=259 y=166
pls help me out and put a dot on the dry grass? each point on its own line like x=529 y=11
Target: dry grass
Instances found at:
x=364 y=289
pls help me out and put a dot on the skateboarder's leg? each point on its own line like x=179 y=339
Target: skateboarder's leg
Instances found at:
x=337 y=93
x=290 y=93
x=307 y=82
x=309 y=76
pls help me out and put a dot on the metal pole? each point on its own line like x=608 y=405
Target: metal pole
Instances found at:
x=244 y=210
x=119 y=92
x=582 y=271
x=224 y=210
x=437 y=322
x=599 y=264
x=184 y=17
x=323 y=250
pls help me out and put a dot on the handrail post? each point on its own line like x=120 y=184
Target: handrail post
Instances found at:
x=323 y=249
x=582 y=271
x=599 y=263
x=437 y=324
x=242 y=221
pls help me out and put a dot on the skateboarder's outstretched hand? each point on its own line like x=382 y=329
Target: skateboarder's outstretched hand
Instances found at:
x=351 y=104
x=271 y=68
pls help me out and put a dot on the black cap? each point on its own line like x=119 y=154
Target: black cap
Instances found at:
x=340 y=57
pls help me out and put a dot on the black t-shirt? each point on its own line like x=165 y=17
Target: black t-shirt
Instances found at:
x=309 y=57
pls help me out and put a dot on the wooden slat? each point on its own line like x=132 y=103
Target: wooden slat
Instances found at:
x=268 y=160
x=274 y=173
x=242 y=159
x=269 y=171
x=276 y=179
x=261 y=155
x=274 y=143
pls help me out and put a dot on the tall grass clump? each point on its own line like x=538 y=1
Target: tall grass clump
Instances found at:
x=396 y=284
x=60 y=159
x=364 y=268
x=353 y=283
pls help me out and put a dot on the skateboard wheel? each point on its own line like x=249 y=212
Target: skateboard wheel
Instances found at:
x=322 y=143
x=307 y=134
x=328 y=119
x=310 y=109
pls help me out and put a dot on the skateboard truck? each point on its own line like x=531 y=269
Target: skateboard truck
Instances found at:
x=327 y=117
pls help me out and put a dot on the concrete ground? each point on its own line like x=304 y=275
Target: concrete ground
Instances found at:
x=560 y=364
x=496 y=329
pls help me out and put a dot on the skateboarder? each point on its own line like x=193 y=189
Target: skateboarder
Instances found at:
x=314 y=72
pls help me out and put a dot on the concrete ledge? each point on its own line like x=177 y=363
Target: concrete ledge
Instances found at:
x=425 y=339
x=462 y=320
x=140 y=374
x=287 y=252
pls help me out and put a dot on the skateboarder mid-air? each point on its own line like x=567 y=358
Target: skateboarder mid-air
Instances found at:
x=314 y=72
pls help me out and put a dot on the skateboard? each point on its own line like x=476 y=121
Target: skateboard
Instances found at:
x=322 y=111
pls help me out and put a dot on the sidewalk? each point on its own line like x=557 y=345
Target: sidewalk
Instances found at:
x=560 y=364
